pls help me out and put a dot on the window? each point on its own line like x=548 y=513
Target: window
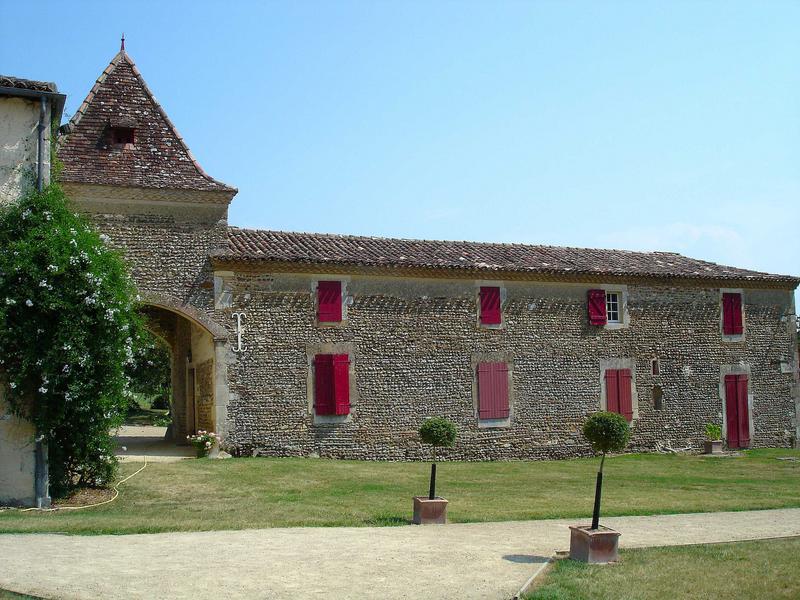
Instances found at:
x=618 y=392
x=332 y=384
x=493 y=390
x=655 y=366
x=490 y=306
x=732 y=313
x=596 y=303
x=612 y=307
x=329 y=301
x=658 y=398
x=121 y=136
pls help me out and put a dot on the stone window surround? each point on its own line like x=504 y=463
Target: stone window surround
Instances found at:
x=330 y=348
x=624 y=316
x=619 y=363
x=504 y=357
x=346 y=300
x=503 y=296
x=223 y=294
x=736 y=337
x=740 y=368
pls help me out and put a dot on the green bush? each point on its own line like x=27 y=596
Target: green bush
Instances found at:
x=438 y=432
x=607 y=432
x=67 y=328
x=713 y=432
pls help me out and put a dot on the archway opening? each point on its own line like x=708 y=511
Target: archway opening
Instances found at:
x=183 y=354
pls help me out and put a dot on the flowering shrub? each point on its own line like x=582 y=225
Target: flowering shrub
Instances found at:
x=203 y=442
x=67 y=328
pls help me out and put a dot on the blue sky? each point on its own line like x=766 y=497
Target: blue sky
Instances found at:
x=638 y=125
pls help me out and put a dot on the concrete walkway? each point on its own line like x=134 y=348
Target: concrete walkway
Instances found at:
x=135 y=442
x=480 y=560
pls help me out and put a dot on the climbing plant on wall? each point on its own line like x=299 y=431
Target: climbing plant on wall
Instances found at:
x=67 y=329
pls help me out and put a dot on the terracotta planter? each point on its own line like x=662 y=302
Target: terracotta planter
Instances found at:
x=430 y=512
x=712 y=446
x=597 y=546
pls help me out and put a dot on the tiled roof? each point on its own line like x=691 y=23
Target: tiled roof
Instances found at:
x=159 y=157
x=27 y=84
x=324 y=249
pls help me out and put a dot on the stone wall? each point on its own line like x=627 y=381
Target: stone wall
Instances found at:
x=414 y=343
x=19 y=135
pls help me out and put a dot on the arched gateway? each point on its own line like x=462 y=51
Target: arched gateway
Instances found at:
x=126 y=167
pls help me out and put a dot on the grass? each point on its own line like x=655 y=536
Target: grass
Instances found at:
x=766 y=569
x=281 y=492
x=6 y=595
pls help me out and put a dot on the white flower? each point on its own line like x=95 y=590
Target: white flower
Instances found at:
x=67 y=396
x=28 y=302
x=52 y=268
x=12 y=385
x=43 y=390
x=10 y=301
x=43 y=283
x=26 y=213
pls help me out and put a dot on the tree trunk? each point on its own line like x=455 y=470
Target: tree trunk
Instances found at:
x=597 y=493
x=432 y=491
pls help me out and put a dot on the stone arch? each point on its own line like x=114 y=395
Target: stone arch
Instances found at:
x=197 y=348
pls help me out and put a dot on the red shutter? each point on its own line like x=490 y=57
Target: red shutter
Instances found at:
x=490 y=306
x=596 y=301
x=731 y=314
x=329 y=301
x=493 y=390
x=612 y=390
x=625 y=395
x=341 y=383
x=742 y=412
x=323 y=384
x=731 y=411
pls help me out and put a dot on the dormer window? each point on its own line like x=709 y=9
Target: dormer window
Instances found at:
x=122 y=137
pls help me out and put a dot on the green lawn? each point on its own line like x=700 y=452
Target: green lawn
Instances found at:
x=280 y=492
x=6 y=595
x=766 y=570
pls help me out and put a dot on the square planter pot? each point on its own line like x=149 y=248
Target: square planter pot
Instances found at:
x=597 y=546
x=430 y=512
x=712 y=446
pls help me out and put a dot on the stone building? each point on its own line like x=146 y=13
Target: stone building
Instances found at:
x=27 y=111
x=340 y=346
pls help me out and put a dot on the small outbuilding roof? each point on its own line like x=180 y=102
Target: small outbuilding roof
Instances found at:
x=251 y=245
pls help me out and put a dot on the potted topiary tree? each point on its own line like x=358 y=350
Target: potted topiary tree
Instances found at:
x=607 y=432
x=439 y=433
x=713 y=443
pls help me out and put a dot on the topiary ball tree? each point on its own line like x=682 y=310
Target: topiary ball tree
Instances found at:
x=439 y=433
x=607 y=432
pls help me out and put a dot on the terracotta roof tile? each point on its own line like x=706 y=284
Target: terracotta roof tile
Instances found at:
x=27 y=84
x=322 y=249
x=159 y=157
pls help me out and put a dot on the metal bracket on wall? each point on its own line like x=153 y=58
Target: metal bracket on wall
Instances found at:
x=239 y=316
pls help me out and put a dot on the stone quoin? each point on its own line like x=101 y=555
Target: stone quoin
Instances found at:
x=343 y=345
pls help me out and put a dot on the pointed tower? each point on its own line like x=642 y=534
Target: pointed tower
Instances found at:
x=128 y=169
x=120 y=136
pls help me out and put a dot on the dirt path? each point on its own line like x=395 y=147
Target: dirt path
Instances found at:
x=479 y=560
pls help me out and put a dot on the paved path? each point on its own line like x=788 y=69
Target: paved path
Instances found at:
x=462 y=561
x=135 y=442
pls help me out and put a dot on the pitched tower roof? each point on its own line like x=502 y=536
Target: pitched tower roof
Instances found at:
x=158 y=156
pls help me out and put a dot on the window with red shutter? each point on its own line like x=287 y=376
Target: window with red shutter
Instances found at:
x=341 y=383
x=323 y=385
x=329 y=301
x=732 y=313
x=596 y=302
x=332 y=384
x=619 y=395
x=736 y=411
x=493 y=390
x=490 y=305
